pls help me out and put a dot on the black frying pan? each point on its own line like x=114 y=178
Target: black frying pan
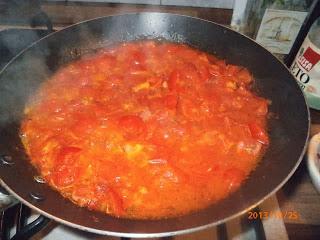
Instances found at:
x=288 y=125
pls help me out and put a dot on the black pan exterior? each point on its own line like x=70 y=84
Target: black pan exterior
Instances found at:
x=288 y=125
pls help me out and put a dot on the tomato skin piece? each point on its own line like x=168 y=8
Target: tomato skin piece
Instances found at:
x=116 y=202
x=171 y=101
x=171 y=48
x=139 y=58
x=232 y=70
x=234 y=177
x=65 y=172
x=51 y=105
x=190 y=109
x=173 y=80
x=66 y=154
x=132 y=125
x=204 y=73
x=262 y=109
x=258 y=133
x=84 y=124
x=105 y=61
x=215 y=70
x=244 y=76
x=63 y=176
x=106 y=192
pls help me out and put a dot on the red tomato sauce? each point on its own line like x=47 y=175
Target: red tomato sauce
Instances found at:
x=146 y=130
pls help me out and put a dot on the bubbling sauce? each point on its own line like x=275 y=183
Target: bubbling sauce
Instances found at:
x=146 y=130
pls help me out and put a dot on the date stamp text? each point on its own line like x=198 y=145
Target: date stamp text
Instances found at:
x=285 y=215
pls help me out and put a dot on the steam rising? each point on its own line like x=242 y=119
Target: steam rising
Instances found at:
x=20 y=79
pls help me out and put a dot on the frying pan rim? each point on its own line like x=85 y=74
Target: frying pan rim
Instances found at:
x=159 y=234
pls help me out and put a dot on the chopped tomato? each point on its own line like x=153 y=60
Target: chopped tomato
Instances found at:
x=204 y=72
x=66 y=154
x=259 y=133
x=244 y=76
x=84 y=123
x=174 y=80
x=132 y=125
x=63 y=176
x=171 y=101
x=232 y=70
x=116 y=202
x=234 y=177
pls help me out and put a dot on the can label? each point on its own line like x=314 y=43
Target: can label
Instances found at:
x=279 y=29
x=306 y=69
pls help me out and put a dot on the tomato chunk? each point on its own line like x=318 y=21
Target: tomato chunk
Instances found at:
x=66 y=153
x=174 y=80
x=133 y=126
x=259 y=133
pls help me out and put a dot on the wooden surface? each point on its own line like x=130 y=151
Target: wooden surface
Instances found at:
x=72 y=13
x=65 y=13
x=300 y=195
